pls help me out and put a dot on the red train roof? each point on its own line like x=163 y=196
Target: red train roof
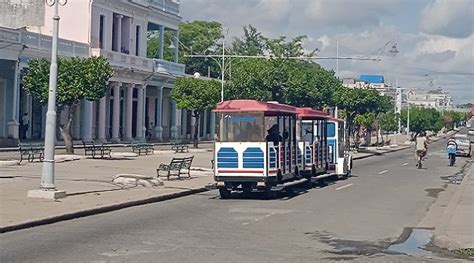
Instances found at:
x=310 y=114
x=332 y=118
x=254 y=106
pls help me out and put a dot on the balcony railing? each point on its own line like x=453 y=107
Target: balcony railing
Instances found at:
x=124 y=60
x=168 y=67
x=10 y=36
x=164 y=5
x=44 y=43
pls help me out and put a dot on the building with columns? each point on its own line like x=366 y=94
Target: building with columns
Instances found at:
x=138 y=100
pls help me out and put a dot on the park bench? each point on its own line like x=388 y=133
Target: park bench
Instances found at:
x=142 y=147
x=96 y=150
x=176 y=167
x=179 y=146
x=32 y=150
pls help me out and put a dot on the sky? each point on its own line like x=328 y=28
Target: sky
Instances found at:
x=434 y=37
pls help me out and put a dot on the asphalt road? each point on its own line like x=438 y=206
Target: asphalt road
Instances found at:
x=354 y=219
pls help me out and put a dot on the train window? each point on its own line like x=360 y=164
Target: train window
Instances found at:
x=307 y=130
x=331 y=128
x=299 y=129
x=241 y=127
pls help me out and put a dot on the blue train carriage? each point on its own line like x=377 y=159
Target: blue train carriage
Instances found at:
x=340 y=160
x=312 y=143
x=256 y=147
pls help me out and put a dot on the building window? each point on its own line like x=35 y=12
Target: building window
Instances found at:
x=114 y=33
x=101 y=31
x=137 y=41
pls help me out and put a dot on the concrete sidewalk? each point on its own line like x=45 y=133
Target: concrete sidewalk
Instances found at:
x=456 y=227
x=89 y=187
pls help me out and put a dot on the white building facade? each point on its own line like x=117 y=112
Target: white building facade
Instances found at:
x=138 y=103
x=437 y=99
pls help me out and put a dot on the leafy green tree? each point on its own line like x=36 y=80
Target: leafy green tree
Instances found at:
x=388 y=122
x=293 y=82
x=281 y=48
x=359 y=102
x=366 y=121
x=452 y=118
x=78 y=78
x=197 y=38
x=423 y=119
x=196 y=95
x=252 y=43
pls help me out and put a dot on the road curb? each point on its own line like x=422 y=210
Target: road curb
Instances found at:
x=377 y=154
x=440 y=238
x=101 y=210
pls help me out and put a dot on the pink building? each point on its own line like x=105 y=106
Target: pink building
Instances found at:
x=138 y=98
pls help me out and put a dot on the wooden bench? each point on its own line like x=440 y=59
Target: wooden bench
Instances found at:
x=176 y=167
x=179 y=146
x=32 y=150
x=142 y=147
x=96 y=150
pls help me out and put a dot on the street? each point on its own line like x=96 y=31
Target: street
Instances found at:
x=355 y=219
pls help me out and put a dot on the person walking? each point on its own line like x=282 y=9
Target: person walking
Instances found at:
x=25 y=124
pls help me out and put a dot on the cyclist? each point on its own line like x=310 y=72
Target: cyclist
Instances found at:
x=421 y=147
x=451 y=148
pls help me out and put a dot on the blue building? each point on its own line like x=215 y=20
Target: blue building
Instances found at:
x=373 y=78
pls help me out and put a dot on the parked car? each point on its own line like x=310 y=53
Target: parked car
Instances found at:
x=471 y=134
x=464 y=144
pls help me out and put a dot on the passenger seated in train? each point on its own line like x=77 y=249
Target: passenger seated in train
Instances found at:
x=274 y=135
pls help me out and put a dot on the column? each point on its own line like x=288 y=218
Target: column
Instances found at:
x=140 y=112
x=174 y=129
x=184 y=123
x=176 y=44
x=102 y=119
x=161 y=47
x=158 y=113
x=77 y=122
x=116 y=113
x=129 y=111
x=212 y=133
x=14 y=123
x=119 y=33
x=29 y=109
x=86 y=120
x=204 y=124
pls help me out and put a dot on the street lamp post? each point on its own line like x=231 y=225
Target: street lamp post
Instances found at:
x=408 y=121
x=47 y=187
x=223 y=69
x=393 y=52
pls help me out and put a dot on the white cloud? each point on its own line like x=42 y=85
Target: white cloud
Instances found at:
x=435 y=41
x=452 y=18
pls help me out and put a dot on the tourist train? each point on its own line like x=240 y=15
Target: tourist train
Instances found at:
x=268 y=146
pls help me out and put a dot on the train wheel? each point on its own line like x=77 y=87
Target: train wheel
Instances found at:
x=224 y=193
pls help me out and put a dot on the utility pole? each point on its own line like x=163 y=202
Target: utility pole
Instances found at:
x=337 y=58
x=223 y=69
x=47 y=188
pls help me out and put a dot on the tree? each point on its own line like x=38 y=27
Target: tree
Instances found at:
x=196 y=37
x=359 y=102
x=366 y=121
x=423 y=119
x=78 y=78
x=451 y=119
x=281 y=48
x=251 y=44
x=293 y=82
x=196 y=95
x=388 y=122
